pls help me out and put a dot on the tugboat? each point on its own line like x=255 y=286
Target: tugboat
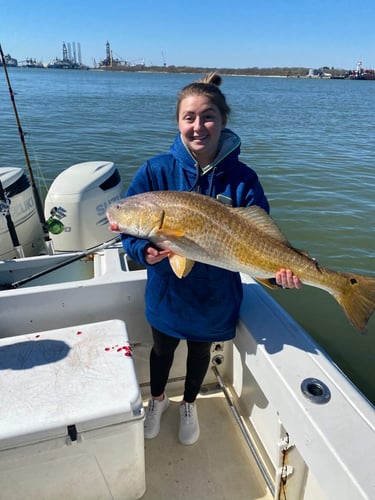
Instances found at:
x=361 y=74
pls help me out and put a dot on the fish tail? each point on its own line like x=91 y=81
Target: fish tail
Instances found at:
x=357 y=298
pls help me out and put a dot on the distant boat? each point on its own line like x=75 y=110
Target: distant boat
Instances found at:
x=318 y=73
x=62 y=64
x=9 y=61
x=361 y=74
x=32 y=63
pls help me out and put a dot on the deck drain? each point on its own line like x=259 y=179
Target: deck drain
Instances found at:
x=315 y=391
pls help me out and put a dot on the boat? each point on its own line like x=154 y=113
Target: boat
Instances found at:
x=32 y=63
x=359 y=73
x=61 y=64
x=278 y=419
x=9 y=61
x=319 y=73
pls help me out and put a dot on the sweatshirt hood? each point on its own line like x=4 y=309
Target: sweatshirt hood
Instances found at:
x=228 y=152
x=229 y=145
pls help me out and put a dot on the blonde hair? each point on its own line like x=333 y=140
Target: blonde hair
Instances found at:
x=207 y=86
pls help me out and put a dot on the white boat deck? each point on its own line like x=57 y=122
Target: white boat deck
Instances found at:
x=311 y=447
x=218 y=466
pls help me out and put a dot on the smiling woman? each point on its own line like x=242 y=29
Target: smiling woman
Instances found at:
x=202 y=159
x=202 y=113
x=200 y=124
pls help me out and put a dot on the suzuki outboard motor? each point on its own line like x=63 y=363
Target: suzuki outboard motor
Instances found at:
x=76 y=203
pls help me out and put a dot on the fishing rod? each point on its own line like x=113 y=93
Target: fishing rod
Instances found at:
x=81 y=255
x=38 y=201
x=5 y=210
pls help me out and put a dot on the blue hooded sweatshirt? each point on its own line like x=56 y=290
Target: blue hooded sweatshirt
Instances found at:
x=203 y=306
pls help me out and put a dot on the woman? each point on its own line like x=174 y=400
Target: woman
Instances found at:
x=204 y=306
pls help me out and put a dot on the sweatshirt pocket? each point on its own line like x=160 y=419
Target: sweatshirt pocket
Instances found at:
x=195 y=307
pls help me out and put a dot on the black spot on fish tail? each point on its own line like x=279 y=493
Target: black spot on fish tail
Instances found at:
x=358 y=299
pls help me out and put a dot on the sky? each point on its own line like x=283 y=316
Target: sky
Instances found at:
x=208 y=33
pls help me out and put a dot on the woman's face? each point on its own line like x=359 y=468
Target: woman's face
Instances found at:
x=200 y=124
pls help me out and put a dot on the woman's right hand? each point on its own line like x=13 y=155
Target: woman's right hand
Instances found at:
x=153 y=255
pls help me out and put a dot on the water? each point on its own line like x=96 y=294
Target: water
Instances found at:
x=311 y=142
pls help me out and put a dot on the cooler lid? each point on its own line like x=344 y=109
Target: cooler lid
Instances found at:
x=82 y=375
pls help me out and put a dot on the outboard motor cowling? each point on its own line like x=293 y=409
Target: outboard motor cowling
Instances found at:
x=23 y=213
x=76 y=203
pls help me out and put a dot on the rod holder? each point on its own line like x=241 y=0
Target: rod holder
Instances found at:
x=315 y=391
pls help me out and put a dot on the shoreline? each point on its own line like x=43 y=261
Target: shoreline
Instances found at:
x=275 y=72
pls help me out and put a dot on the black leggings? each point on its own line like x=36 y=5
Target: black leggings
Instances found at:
x=161 y=359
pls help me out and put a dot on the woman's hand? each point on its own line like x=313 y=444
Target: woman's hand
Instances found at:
x=153 y=255
x=287 y=279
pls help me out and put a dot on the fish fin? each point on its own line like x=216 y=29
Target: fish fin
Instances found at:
x=170 y=233
x=262 y=220
x=181 y=265
x=357 y=299
x=305 y=253
x=268 y=282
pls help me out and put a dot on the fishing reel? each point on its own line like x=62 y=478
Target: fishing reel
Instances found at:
x=5 y=206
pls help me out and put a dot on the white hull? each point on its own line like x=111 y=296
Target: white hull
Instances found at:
x=305 y=450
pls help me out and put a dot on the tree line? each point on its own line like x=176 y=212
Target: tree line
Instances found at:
x=292 y=72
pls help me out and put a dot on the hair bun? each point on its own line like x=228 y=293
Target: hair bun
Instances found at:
x=208 y=87
x=212 y=79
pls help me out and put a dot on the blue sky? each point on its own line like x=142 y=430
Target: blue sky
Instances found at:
x=230 y=33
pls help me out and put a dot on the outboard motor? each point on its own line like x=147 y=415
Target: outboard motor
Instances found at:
x=24 y=215
x=76 y=204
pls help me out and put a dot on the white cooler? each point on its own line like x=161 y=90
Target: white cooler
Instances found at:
x=71 y=415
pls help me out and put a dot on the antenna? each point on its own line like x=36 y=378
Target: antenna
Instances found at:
x=163 y=57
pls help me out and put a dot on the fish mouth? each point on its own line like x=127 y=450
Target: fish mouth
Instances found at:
x=113 y=226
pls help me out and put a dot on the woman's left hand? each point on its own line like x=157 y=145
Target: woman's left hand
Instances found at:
x=287 y=279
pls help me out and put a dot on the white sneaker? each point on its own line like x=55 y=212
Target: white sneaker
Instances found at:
x=189 y=425
x=154 y=412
